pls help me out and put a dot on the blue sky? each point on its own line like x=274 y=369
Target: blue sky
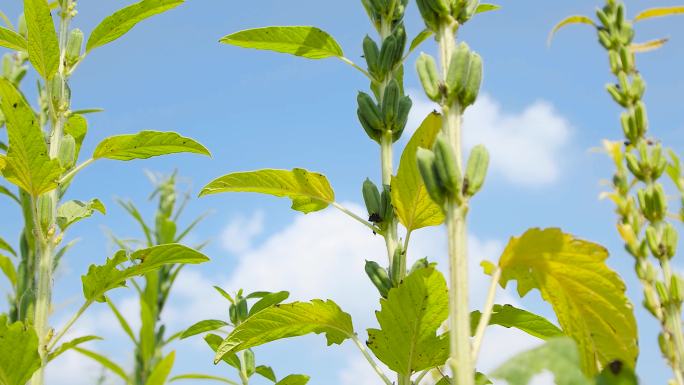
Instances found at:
x=543 y=112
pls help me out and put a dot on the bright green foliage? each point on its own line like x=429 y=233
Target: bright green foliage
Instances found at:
x=202 y=327
x=419 y=39
x=616 y=373
x=105 y=362
x=71 y=212
x=18 y=352
x=6 y=246
x=77 y=127
x=289 y=320
x=146 y=144
x=71 y=345
x=7 y=267
x=162 y=370
x=268 y=300
x=410 y=198
x=101 y=279
x=308 y=42
x=43 y=46
x=122 y=21
x=482 y=8
x=309 y=191
x=588 y=298
x=511 y=317
x=294 y=379
x=659 y=12
x=558 y=356
x=28 y=164
x=12 y=40
x=409 y=319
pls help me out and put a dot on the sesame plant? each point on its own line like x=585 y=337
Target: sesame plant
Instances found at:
x=431 y=186
x=41 y=158
x=641 y=161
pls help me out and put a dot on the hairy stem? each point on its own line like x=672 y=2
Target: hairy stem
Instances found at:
x=370 y=360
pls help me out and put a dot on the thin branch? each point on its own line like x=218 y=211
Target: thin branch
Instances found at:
x=486 y=314
x=370 y=360
x=351 y=63
x=356 y=217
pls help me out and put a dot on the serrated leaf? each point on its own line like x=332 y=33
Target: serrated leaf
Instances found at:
x=28 y=164
x=7 y=267
x=482 y=8
x=268 y=300
x=648 y=46
x=304 y=41
x=558 y=356
x=409 y=319
x=194 y=376
x=18 y=352
x=203 y=326
x=12 y=40
x=266 y=372
x=410 y=198
x=309 y=191
x=511 y=317
x=575 y=19
x=43 y=46
x=146 y=144
x=294 y=379
x=161 y=372
x=587 y=296
x=659 y=12
x=71 y=212
x=289 y=320
x=105 y=362
x=101 y=279
x=123 y=20
x=419 y=39
x=70 y=345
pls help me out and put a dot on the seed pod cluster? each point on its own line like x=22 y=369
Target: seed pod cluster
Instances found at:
x=391 y=116
x=380 y=9
x=73 y=48
x=379 y=277
x=378 y=205
x=435 y=12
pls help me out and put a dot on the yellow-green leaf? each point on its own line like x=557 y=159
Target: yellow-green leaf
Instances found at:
x=587 y=296
x=28 y=164
x=509 y=316
x=659 y=12
x=105 y=362
x=294 y=379
x=410 y=198
x=308 y=42
x=43 y=46
x=123 y=20
x=309 y=191
x=70 y=345
x=7 y=267
x=576 y=19
x=162 y=370
x=420 y=38
x=71 y=212
x=12 y=40
x=289 y=320
x=146 y=144
x=482 y=8
x=18 y=352
x=648 y=46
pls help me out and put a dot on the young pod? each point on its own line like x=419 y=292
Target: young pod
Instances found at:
x=390 y=104
x=370 y=116
x=659 y=202
x=386 y=208
x=232 y=311
x=457 y=73
x=653 y=241
x=640 y=118
x=74 y=47
x=617 y=95
x=419 y=264
x=388 y=55
x=60 y=92
x=397 y=267
x=670 y=240
x=430 y=17
x=250 y=365
x=604 y=39
x=476 y=171
x=446 y=167
x=676 y=288
x=474 y=81
x=604 y=19
x=429 y=77
x=426 y=162
x=638 y=86
x=663 y=293
x=627 y=59
x=629 y=126
x=619 y=16
x=405 y=105
x=44 y=207
x=440 y=7
x=615 y=62
x=379 y=277
x=372 y=54
x=67 y=152
x=666 y=346
x=371 y=196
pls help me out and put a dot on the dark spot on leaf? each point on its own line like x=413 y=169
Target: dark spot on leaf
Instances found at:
x=615 y=367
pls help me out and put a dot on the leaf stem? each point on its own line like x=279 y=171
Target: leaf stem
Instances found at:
x=351 y=63
x=356 y=217
x=68 y=325
x=370 y=360
x=68 y=176
x=486 y=314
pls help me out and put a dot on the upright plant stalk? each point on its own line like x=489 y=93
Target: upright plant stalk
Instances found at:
x=455 y=89
x=638 y=193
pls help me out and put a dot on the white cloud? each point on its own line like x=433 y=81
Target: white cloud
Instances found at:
x=526 y=147
x=238 y=235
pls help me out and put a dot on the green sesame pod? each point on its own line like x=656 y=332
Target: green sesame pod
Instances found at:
x=474 y=82
x=476 y=171
x=629 y=126
x=633 y=165
x=627 y=59
x=74 y=47
x=459 y=67
x=670 y=240
x=603 y=18
x=666 y=346
x=371 y=196
x=638 y=86
x=615 y=62
x=426 y=161
x=250 y=366
x=605 y=40
x=440 y=7
x=67 y=152
x=386 y=208
x=419 y=264
x=44 y=207
x=429 y=77
x=651 y=303
x=372 y=54
x=405 y=105
x=369 y=129
x=653 y=241
x=446 y=166
x=663 y=293
x=675 y=290
x=379 y=277
x=641 y=118
x=643 y=202
x=396 y=268
x=390 y=104
x=232 y=311
x=430 y=17
x=387 y=55
x=242 y=311
x=627 y=34
x=660 y=202
x=370 y=111
x=619 y=16
x=617 y=95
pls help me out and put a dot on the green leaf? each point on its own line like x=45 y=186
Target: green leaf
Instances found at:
x=308 y=42
x=6 y=246
x=162 y=370
x=106 y=362
x=266 y=372
x=587 y=296
x=5 y=191
x=194 y=376
x=214 y=342
x=71 y=212
x=70 y=345
x=77 y=127
x=122 y=321
x=648 y=46
x=147 y=330
x=7 y=267
x=43 y=46
x=482 y=8
x=146 y=144
x=558 y=356
x=309 y=191
x=410 y=198
x=203 y=326
x=123 y=20
x=225 y=294
x=419 y=39
x=511 y=317
x=576 y=19
x=289 y=320
x=18 y=352
x=616 y=373
x=409 y=319
x=12 y=40
x=659 y=12
x=101 y=279
x=268 y=300
x=28 y=164
x=294 y=379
